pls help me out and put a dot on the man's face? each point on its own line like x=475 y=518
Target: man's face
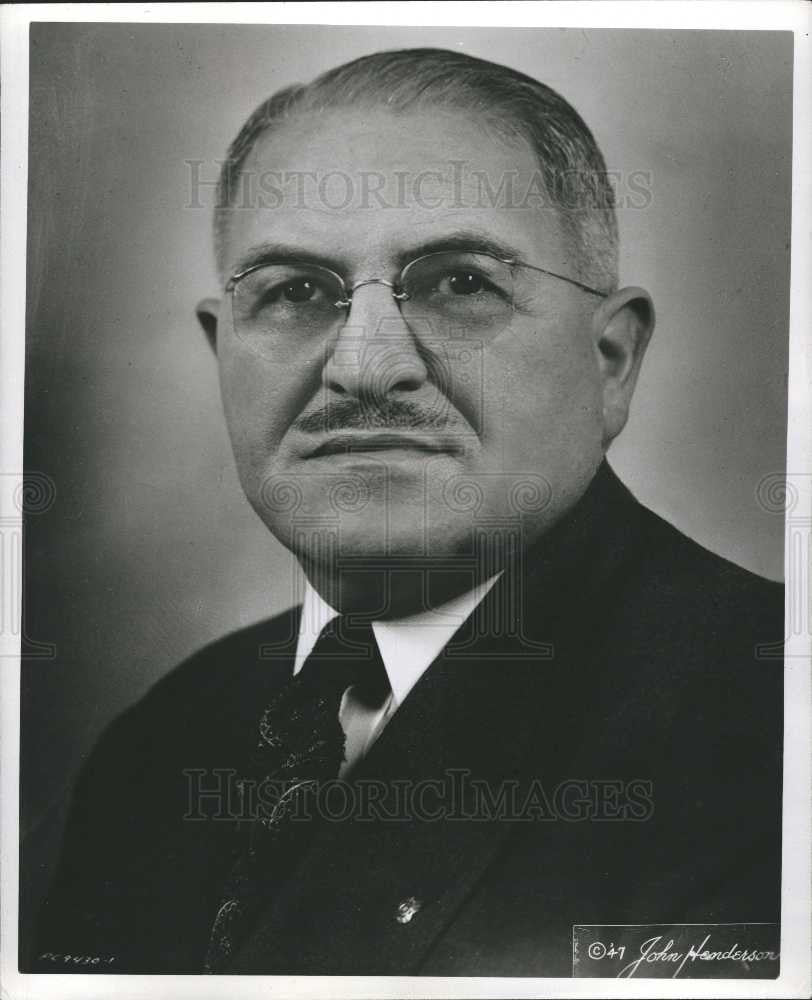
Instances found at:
x=405 y=435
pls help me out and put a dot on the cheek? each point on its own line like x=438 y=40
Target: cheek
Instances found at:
x=543 y=399
x=259 y=401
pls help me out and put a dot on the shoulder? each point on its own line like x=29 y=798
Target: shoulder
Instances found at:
x=685 y=653
x=652 y=572
x=262 y=649
x=202 y=706
x=678 y=578
x=691 y=649
x=683 y=640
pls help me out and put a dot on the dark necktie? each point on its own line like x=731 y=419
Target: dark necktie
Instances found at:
x=300 y=741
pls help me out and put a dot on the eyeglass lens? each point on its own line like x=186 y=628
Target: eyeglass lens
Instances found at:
x=446 y=293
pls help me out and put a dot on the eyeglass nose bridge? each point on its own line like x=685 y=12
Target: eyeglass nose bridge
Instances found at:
x=397 y=292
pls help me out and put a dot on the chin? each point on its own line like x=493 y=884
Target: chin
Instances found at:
x=374 y=534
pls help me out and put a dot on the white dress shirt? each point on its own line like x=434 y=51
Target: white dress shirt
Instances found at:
x=407 y=646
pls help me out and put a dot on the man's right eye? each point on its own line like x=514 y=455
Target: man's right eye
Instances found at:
x=285 y=292
x=295 y=290
x=299 y=290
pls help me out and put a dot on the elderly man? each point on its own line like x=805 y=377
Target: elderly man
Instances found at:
x=512 y=700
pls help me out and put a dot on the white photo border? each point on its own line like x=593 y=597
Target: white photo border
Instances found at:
x=795 y=977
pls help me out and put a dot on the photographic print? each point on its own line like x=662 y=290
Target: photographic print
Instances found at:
x=406 y=509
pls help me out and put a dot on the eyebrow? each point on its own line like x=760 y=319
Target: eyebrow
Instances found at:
x=263 y=253
x=466 y=240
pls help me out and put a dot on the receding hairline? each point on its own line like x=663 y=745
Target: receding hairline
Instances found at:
x=505 y=102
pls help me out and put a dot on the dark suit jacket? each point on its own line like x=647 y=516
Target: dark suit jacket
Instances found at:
x=638 y=665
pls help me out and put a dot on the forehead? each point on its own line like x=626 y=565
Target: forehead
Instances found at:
x=362 y=188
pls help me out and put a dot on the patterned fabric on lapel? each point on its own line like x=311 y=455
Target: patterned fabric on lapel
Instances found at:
x=300 y=742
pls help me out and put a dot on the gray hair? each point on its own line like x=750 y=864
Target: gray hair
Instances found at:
x=516 y=105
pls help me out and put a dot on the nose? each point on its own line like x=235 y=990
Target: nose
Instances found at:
x=375 y=353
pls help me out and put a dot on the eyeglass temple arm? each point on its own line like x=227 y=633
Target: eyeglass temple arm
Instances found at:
x=555 y=274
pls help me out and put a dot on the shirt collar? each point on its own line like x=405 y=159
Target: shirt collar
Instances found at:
x=408 y=646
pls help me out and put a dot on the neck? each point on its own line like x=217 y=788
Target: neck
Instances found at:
x=393 y=587
x=396 y=590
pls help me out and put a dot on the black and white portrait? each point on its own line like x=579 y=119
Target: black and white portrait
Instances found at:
x=404 y=532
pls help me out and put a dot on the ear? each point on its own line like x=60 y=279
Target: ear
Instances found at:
x=207 y=312
x=622 y=326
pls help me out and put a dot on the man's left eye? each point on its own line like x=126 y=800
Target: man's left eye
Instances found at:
x=463 y=283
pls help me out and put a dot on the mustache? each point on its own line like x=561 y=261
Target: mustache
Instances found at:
x=355 y=414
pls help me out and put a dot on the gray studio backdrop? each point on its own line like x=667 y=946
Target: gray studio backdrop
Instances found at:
x=149 y=549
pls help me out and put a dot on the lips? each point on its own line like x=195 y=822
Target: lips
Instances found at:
x=344 y=444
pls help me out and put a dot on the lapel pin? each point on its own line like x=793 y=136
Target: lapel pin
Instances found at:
x=407 y=908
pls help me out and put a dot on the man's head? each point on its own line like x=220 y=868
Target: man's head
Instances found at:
x=421 y=334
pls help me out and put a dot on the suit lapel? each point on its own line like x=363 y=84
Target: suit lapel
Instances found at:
x=407 y=844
